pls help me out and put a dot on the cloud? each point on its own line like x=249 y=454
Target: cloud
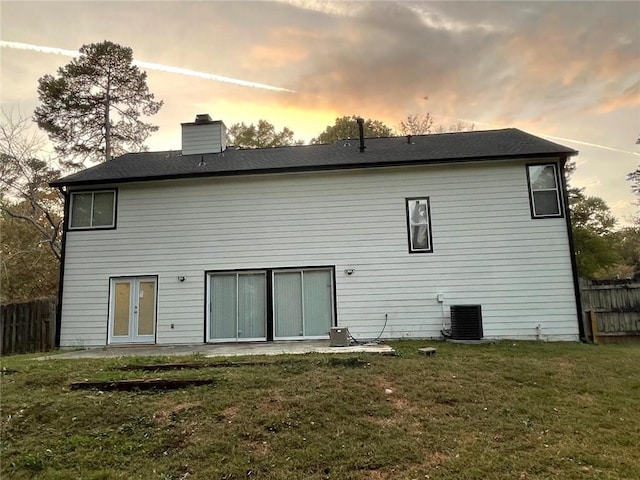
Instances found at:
x=283 y=47
x=273 y=56
x=497 y=64
x=342 y=9
x=629 y=98
x=386 y=59
x=431 y=18
x=439 y=21
x=148 y=65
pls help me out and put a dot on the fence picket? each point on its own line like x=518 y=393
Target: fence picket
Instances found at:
x=616 y=306
x=27 y=327
x=14 y=324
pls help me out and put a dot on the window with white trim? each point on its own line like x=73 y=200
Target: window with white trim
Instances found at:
x=544 y=190
x=91 y=210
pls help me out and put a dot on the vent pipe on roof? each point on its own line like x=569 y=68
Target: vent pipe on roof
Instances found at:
x=360 y=121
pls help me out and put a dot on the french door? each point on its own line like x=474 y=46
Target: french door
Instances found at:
x=132 y=313
x=269 y=304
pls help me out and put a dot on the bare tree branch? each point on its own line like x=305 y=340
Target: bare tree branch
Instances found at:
x=57 y=251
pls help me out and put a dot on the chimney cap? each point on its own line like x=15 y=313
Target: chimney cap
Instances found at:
x=203 y=118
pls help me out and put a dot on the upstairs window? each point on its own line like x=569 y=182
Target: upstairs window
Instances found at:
x=93 y=210
x=544 y=190
x=419 y=225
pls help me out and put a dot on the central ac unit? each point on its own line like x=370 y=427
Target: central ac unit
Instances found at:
x=339 y=337
x=466 y=322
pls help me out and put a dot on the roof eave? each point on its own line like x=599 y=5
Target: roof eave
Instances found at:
x=305 y=168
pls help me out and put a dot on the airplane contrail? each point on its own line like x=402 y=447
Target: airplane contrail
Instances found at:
x=149 y=65
x=590 y=144
x=563 y=139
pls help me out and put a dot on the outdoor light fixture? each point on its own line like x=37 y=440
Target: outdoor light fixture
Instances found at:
x=181 y=278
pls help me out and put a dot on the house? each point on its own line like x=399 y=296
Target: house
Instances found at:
x=385 y=236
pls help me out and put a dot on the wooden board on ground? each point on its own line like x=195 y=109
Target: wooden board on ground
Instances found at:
x=186 y=366
x=141 y=384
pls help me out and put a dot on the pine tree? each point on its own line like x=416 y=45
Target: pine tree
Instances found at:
x=92 y=108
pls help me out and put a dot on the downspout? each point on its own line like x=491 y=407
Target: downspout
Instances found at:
x=572 y=251
x=63 y=247
x=360 y=122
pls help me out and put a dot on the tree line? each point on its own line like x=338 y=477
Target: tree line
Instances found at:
x=93 y=109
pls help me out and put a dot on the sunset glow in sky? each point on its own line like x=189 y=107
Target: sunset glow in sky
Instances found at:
x=569 y=71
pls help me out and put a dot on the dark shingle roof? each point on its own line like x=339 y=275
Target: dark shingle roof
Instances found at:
x=424 y=149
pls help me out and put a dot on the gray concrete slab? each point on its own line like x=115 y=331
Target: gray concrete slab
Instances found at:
x=221 y=350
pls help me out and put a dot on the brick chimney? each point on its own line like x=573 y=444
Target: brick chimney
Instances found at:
x=203 y=136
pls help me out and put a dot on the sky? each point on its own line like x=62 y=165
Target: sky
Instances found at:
x=567 y=71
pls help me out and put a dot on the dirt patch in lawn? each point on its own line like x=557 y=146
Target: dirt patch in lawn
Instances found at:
x=230 y=412
x=168 y=412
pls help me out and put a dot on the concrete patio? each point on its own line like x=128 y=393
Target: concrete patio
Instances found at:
x=222 y=350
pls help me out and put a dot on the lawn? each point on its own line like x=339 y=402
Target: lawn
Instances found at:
x=520 y=410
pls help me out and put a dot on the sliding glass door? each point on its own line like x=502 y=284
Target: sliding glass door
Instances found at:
x=237 y=304
x=302 y=303
x=282 y=304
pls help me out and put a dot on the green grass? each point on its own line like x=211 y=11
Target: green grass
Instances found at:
x=502 y=411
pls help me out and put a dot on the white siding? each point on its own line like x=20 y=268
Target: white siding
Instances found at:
x=487 y=250
x=203 y=138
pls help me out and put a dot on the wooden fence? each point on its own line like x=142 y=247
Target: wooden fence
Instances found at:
x=611 y=310
x=28 y=327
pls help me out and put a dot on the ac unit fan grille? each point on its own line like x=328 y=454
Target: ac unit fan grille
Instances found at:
x=466 y=322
